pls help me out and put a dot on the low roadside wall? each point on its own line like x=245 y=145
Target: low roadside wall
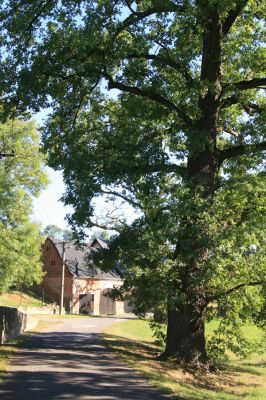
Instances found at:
x=46 y=310
x=12 y=323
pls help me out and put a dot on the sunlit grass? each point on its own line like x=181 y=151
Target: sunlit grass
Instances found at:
x=133 y=342
x=19 y=299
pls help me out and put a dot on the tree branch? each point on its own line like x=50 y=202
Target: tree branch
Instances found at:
x=129 y=6
x=117 y=228
x=240 y=150
x=228 y=130
x=168 y=168
x=155 y=168
x=230 y=101
x=137 y=16
x=164 y=61
x=249 y=106
x=232 y=16
x=234 y=289
x=148 y=93
x=41 y=8
x=256 y=83
x=2 y=155
x=114 y=193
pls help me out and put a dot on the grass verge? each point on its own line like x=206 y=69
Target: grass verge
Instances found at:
x=7 y=350
x=132 y=341
x=20 y=299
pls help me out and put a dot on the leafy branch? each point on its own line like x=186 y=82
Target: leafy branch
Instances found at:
x=137 y=16
x=232 y=16
x=148 y=93
x=255 y=83
x=234 y=289
x=240 y=150
x=120 y=195
x=164 y=61
x=249 y=107
x=116 y=227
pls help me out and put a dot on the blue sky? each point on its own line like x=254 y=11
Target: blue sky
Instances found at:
x=47 y=207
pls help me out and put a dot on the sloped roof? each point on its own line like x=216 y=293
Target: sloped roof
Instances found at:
x=77 y=260
x=103 y=243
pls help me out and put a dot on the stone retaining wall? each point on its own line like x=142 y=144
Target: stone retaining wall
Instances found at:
x=46 y=310
x=12 y=323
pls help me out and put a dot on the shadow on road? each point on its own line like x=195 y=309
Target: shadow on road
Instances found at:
x=67 y=365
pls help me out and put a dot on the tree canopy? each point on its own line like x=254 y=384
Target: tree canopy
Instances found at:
x=158 y=103
x=56 y=232
x=21 y=177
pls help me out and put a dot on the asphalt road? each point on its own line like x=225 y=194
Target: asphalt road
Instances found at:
x=69 y=361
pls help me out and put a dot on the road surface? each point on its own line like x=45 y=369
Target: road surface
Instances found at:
x=70 y=361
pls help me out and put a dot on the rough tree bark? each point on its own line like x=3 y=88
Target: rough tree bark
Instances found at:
x=185 y=331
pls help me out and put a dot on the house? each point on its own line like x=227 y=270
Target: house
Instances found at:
x=85 y=286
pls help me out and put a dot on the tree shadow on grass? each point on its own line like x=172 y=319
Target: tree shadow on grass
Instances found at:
x=228 y=380
x=129 y=347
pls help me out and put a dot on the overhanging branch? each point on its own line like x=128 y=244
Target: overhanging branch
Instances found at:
x=117 y=194
x=138 y=16
x=164 y=61
x=106 y=227
x=240 y=150
x=156 y=168
x=149 y=94
x=256 y=83
x=234 y=289
x=249 y=107
x=232 y=16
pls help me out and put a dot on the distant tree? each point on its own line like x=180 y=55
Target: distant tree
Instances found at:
x=68 y=235
x=21 y=177
x=53 y=230
x=56 y=232
x=101 y=234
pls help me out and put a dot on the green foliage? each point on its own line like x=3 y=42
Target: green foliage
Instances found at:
x=56 y=232
x=101 y=234
x=158 y=105
x=52 y=230
x=68 y=235
x=237 y=378
x=21 y=177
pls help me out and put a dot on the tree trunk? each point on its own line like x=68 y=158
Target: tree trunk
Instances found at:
x=185 y=330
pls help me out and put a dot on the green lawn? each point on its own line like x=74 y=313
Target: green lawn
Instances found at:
x=238 y=379
x=19 y=299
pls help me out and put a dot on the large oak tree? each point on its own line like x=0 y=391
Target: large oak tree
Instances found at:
x=159 y=103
